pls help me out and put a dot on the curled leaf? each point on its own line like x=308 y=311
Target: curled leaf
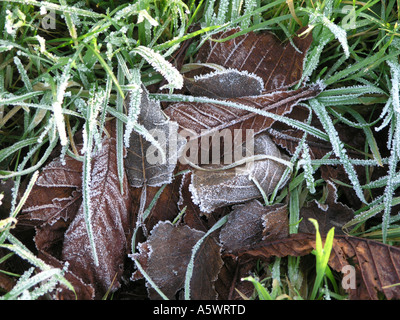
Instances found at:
x=145 y=162
x=213 y=188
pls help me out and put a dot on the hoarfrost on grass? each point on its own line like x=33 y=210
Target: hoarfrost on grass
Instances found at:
x=167 y=70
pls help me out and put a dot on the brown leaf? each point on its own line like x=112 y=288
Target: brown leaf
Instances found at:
x=193 y=217
x=166 y=207
x=250 y=222
x=259 y=53
x=110 y=223
x=376 y=265
x=275 y=222
x=166 y=254
x=278 y=67
x=56 y=193
x=202 y=119
x=214 y=189
x=144 y=163
x=55 y=208
x=331 y=214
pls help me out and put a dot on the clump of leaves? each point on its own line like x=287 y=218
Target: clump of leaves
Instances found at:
x=330 y=82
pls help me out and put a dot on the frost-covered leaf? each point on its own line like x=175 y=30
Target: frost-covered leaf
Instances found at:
x=330 y=214
x=56 y=193
x=206 y=118
x=54 y=207
x=166 y=202
x=228 y=83
x=166 y=254
x=259 y=53
x=213 y=188
x=249 y=223
x=110 y=223
x=277 y=66
x=144 y=162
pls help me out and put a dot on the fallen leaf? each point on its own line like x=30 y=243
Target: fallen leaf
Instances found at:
x=249 y=223
x=376 y=265
x=279 y=68
x=166 y=254
x=275 y=222
x=55 y=208
x=228 y=83
x=165 y=208
x=110 y=223
x=213 y=189
x=201 y=119
x=330 y=214
x=144 y=163
x=259 y=53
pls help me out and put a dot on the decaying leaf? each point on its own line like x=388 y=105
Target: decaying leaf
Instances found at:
x=249 y=223
x=275 y=222
x=144 y=162
x=57 y=190
x=213 y=188
x=259 y=53
x=55 y=207
x=202 y=119
x=110 y=222
x=166 y=254
x=166 y=205
x=376 y=265
x=330 y=214
x=193 y=217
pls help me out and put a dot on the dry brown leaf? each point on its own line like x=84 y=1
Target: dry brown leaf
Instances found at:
x=166 y=254
x=110 y=223
x=144 y=164
x=249 y=223
x=376 y=265
x=54 y=207
x=214 y=189
x=201 y=119
x=330 y=214
x=259 y=53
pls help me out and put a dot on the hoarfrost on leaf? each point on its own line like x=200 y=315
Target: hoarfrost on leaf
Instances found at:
x=212 y=188
x=229 y=83
x=144 y=162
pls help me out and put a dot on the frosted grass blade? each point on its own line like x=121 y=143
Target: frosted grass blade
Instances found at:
x=337 y=146
x=196 y=247
x=167 y=70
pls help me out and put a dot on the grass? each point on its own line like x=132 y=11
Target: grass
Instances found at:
x=56 y=57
